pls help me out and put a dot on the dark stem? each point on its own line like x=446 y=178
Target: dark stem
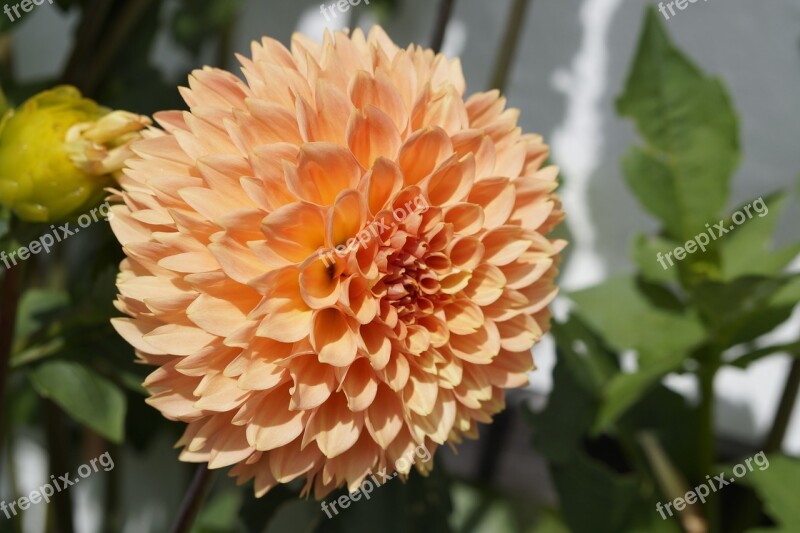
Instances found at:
x=439 y=29
x=508 y=49
x=193 y=499
x=57 y=437
x=16 y=520
x=225 y=46
x=6 y=59
x=749 y=513
x=784 y=413
x=116 y=35
x=94 y=19
x=9 y=300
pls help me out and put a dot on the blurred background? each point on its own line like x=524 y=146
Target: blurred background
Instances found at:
x=567 y=67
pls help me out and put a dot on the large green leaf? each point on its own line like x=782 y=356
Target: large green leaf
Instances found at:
x=625 y=390
x=748 y=251
x=640 y=317
x=220 y=513
x=593 y=498
x=36 y=308
x=777 y=487
x=745 y=308
x=649 y=254
x=421 y=504
x=87 y=397
x=671 y=418
x=630 y=321
x=682 y=173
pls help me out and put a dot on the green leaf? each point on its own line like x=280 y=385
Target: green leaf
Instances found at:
x=789 y=294
x=422 y=505
x=682 y=173
x=593 y=498
x=87 y=397
x=746 y=360
x=480 y=511
x=745 y=308
x=648 y=322
x=777 y=487
x=303 y=516
x=672 y=420
x=646 y=252
x=625 y=390
x=36 y=308
x=748 y=250
x=583 y=367
x=195 y=20
x=220 y=513
x=550 y=522
x=629 y=321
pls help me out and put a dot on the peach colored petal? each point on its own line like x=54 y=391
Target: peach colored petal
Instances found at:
x=332 y=337
x=333 y=426
x=423 y=152
x=380 y=184
x=359 y=385
x=371 y=134
x=323 y=171
x=291 y=234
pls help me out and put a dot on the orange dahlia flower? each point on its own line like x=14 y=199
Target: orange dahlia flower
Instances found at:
x=336 y=261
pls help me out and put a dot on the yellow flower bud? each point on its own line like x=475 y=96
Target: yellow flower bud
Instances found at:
x=58 y=151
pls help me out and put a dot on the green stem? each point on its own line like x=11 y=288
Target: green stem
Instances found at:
x=505 y=57
x=672 y=484
x=707 y=440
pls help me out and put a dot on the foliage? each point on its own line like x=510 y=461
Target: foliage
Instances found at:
x=683 y=319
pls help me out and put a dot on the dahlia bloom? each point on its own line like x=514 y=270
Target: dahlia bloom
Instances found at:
x=336 y=261
x=59 y=151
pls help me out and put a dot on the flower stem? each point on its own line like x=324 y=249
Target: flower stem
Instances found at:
x=707 y=441
x=505 y=57
x=439 y=29
x=56 y=435
x=670 y=481
x=95 y=16
x=193 y=499
x=9 y=300
x=784 y=413
x=749 y=513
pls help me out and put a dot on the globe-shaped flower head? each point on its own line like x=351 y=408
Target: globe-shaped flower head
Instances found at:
x=335 y=262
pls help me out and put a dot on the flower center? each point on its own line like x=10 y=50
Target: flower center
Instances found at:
x=412 y=287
